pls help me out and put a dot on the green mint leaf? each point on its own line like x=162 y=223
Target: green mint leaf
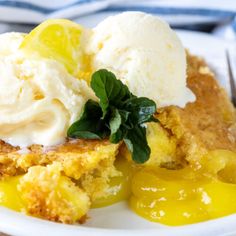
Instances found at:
x=117 y=132
x=119 y=115
x=136 y=142
x=90 y=125
x=129 y=144
x=117 y=136
x=124 y=115
x=108 y=89
x=140 y=108
x=115 y=121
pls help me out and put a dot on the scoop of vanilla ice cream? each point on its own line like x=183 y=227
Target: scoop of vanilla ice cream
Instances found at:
x=39 y=99
x=145 y=54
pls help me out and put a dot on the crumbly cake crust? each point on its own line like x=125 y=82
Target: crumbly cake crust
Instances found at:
x=207 y=124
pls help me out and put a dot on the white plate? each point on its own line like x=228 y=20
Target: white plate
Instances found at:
x=118 y=219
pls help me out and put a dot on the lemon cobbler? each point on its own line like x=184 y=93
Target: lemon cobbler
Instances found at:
x=91 y=117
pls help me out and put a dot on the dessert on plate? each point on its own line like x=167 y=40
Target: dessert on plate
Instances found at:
x=91 y=117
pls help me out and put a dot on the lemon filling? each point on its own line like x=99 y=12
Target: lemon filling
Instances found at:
x=9 y=194
x=177 y=197
x=171 y=197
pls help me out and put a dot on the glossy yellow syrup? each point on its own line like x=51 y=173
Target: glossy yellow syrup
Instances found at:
x=9 y=195
x=171 y=197
x=179 y=197
x=185 y=196
x=120 y=186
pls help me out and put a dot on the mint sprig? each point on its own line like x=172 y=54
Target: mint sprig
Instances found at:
x=119 y=115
